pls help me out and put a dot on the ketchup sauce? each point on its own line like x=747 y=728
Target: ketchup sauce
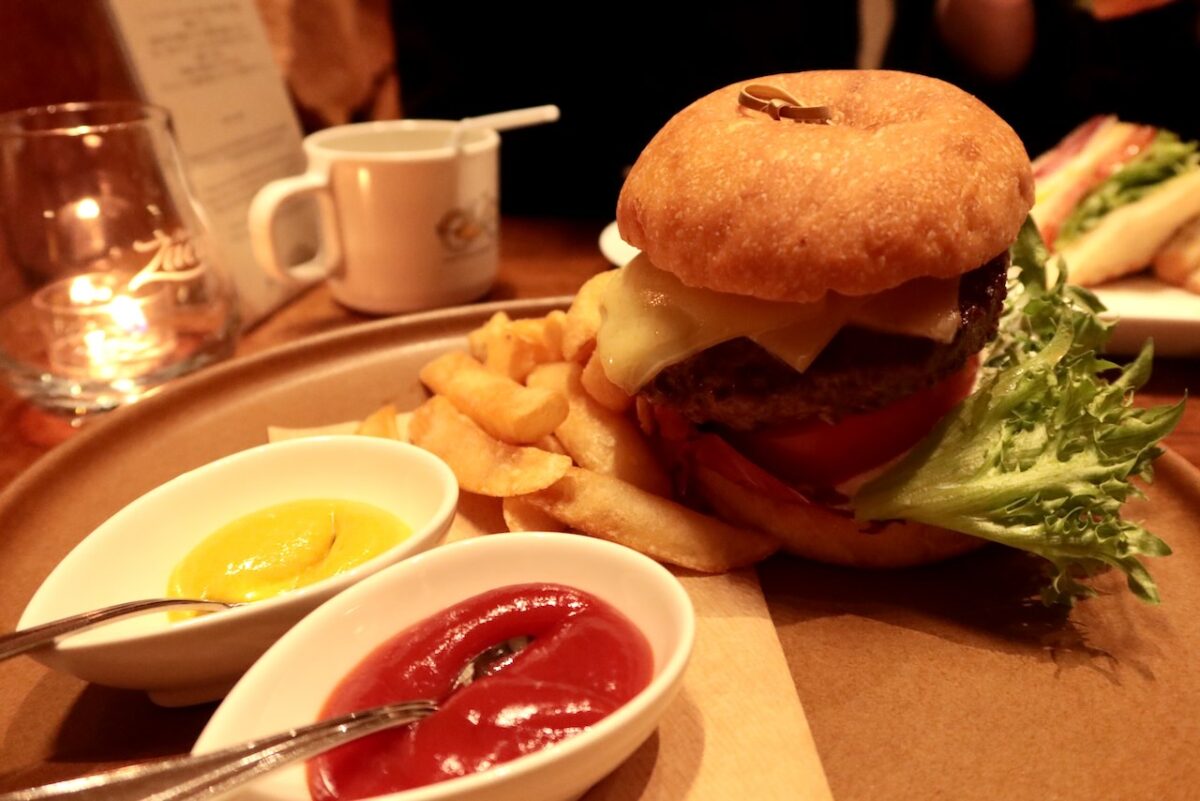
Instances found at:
x=586 y=660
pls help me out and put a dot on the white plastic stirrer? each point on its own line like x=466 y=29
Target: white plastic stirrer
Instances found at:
x=504 y=121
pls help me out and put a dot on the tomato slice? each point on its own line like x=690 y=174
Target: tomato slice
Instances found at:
x=718 y=455
x=681 y=445
x=821 y=454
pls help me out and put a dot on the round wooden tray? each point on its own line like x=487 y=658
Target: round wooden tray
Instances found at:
x=946 y=681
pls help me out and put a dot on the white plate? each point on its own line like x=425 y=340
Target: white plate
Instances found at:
x=1145 y=307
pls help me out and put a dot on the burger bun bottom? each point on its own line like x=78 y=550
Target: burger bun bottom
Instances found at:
x=822 y=535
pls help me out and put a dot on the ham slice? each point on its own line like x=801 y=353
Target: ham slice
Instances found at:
x=1049 y=162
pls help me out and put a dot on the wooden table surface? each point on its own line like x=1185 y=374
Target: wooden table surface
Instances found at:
x=539 y=258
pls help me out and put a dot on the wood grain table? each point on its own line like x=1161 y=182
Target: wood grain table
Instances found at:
x=59 y=727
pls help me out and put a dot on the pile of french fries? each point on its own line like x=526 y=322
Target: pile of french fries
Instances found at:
x=528 y=416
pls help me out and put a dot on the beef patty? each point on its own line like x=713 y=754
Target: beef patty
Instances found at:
x=740 y=385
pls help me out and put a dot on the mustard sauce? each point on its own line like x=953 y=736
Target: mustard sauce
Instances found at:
x=284 y=547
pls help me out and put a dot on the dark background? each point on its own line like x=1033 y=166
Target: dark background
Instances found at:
x=1143 y=68
x=618 y=71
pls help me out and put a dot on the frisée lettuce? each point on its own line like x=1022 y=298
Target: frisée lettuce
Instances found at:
x=1042 y=455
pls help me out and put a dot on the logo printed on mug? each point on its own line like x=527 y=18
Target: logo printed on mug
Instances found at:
x=464 y=231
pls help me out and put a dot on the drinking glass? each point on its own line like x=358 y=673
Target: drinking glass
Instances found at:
x=115 y=289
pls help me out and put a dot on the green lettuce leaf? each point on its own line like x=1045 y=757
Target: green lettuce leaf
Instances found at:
x=1042 y=455
x=1164 y=159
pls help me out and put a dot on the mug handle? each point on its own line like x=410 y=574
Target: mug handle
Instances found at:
x=263 y=210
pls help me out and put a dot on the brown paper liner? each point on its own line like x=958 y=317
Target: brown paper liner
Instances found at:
x=737 y=729
x=953 y=681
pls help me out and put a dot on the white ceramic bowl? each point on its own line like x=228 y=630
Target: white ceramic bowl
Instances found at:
x=131 y=555
x=275 y=696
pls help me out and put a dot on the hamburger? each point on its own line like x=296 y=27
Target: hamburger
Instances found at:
x=817 y=334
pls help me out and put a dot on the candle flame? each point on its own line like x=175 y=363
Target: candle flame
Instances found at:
x=85 y=292
x=87 y=209
x=99 y=327
x=94 y=342
x=127 y=314
x=109 y=343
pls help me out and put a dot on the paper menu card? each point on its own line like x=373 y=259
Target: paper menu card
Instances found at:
x=209 y=63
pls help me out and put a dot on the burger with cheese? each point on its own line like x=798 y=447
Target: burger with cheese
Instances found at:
x=817 y=333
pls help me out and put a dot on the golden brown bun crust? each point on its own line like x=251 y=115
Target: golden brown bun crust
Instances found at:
x=912 y=177
x=819 y=534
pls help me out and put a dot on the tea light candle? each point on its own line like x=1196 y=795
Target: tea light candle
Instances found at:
x=97 y=328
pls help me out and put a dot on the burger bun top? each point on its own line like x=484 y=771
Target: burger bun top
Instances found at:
x=911 y=177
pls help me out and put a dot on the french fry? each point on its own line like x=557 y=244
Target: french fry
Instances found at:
x=402 y=421
x=545 y=333
x=551 y=443
x=583 y=318
x=555 y=327
x=380 y=423
x=501 y=406
x=514 y=347
x=479 y=339
x=521 y=515
x=482 y=464
x=522 y=346
x=615 y=510
x=603 y=391
x=598 y=438
x=477 y=516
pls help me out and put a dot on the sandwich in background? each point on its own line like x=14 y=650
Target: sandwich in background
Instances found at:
x=1115 y=197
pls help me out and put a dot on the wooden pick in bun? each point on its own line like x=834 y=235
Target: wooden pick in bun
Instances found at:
x=821 y=264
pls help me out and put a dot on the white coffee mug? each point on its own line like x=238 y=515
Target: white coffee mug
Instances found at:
x=409 y=217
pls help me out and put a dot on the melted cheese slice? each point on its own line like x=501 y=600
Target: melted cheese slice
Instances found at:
x=651 y=321
x=923 y=307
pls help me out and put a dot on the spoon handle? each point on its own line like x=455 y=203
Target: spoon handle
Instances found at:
x=503 y=121
x=18 y=642
x=207 y=775
x=517 y=118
